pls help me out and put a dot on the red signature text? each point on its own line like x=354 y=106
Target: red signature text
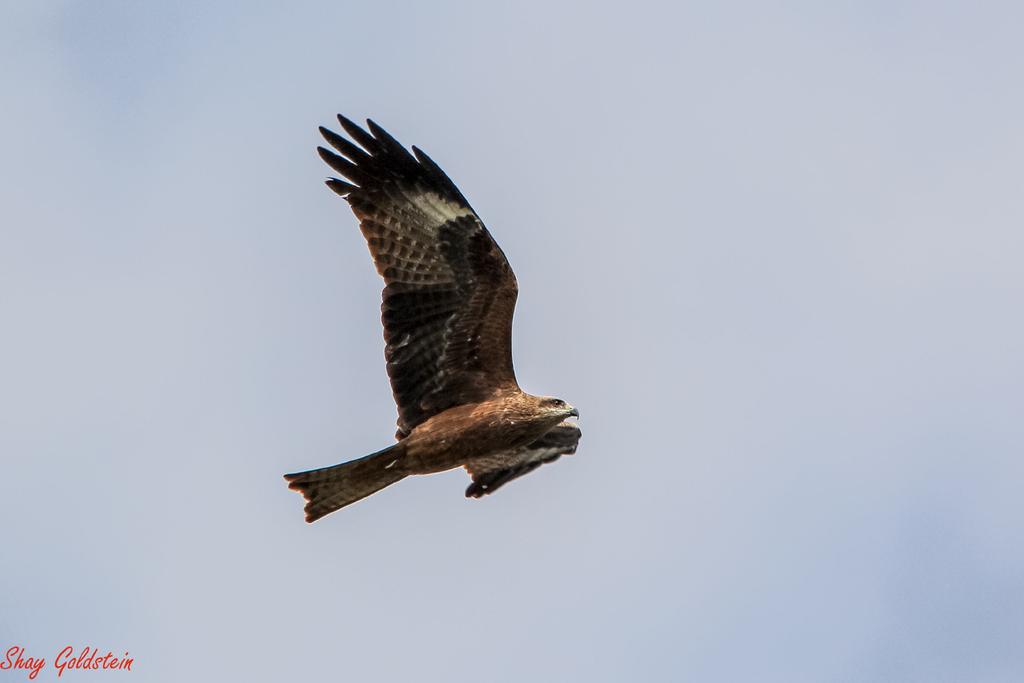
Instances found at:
x=16 y=659
x=89 y=658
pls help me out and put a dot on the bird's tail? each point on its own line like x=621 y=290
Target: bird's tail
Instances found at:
x=332 y=488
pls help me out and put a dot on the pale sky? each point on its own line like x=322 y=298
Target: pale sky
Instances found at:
x=772 y=253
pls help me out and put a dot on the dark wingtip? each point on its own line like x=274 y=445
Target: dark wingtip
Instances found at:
x=339 y=187
x=358 y=134
x=389 y=142
x=340 y=164
x=346 y=122
x=476 y=491
x=354 y=152
x=325 y=153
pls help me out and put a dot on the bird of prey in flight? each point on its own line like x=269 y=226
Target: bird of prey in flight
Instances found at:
x=447 y=310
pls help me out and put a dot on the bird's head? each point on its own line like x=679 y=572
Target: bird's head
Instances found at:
x=556 y=406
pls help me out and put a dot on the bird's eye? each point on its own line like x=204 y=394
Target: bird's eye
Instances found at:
x=557 y=402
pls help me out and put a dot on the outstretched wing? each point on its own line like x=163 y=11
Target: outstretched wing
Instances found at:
x=492 y=472
x=449 y=292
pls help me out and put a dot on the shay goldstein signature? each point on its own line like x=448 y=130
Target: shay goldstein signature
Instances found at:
x=88 y=659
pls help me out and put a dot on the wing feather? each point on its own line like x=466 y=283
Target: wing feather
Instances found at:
x=449 y=291
x=493 y=472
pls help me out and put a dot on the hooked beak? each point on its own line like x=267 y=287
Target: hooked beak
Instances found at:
x=574 y=413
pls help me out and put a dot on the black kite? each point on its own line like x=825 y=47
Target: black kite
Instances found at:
x=447 y=312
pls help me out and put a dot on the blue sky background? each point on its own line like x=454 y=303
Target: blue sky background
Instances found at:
x=772 y=251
